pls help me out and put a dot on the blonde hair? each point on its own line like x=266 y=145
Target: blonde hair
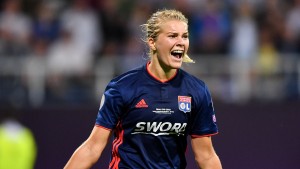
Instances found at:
x=152 y=27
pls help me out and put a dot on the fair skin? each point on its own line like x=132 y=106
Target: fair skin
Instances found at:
x=164 y=63
x=173 y=36
x=89 y=152
x=205 y=155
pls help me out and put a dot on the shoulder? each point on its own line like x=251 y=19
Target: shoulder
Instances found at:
x=195 y=87
x=128 y=76
x=126 y=84
x=127 y=79
x=192 y=80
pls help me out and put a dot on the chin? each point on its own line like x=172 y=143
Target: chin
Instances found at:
x=176 y=65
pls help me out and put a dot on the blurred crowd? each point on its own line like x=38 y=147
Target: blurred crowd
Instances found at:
x=67 y=37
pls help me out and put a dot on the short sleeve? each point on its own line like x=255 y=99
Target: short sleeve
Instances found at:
x=110 y=107
x=203 y=120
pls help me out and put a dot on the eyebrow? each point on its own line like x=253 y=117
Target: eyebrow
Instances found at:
x=177 y=33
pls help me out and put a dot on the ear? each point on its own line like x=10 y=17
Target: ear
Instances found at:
x=151 y=44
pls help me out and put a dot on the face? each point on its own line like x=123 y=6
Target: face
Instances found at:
x=171 y=44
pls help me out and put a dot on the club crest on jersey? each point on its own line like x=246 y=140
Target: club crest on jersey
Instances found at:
x=184 y=103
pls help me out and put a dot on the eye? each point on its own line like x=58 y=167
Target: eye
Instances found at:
x=173 y=36
x=185 y=36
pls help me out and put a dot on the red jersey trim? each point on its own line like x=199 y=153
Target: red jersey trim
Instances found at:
x=199 y=136
x=152 y=75
x=97 y=125
x=114 y=164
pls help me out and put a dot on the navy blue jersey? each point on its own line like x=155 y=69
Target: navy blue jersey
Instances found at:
x=152 y=119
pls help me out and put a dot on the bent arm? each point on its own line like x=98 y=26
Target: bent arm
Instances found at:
x=89 y=152
x=205 y=154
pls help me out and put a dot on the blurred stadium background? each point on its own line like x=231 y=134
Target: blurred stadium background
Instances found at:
x=56 y=58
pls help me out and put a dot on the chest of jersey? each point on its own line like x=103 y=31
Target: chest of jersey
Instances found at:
x=158 y=110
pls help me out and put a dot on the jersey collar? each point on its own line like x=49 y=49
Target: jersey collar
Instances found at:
x=157 y=79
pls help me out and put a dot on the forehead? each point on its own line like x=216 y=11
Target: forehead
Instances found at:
x=173 y=26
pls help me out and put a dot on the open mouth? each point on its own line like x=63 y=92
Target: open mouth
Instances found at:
x=177 y=53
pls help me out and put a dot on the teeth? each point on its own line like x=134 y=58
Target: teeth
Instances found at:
x=177 y=51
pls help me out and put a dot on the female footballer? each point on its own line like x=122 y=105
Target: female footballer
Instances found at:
x=152 y=110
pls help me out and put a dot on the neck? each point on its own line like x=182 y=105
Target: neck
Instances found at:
x=160 y=73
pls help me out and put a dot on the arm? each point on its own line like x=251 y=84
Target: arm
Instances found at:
x=205 y=154
x=89 y=152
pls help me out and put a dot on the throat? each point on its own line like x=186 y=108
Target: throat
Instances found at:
x=161 y=74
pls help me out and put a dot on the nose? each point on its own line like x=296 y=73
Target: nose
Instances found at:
x=180 y=41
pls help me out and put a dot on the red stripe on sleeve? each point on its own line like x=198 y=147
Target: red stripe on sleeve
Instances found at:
x=207 y=135
x=116 y=143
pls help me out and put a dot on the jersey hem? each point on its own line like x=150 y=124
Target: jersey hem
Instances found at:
x=206 y=135
x=97 y=125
